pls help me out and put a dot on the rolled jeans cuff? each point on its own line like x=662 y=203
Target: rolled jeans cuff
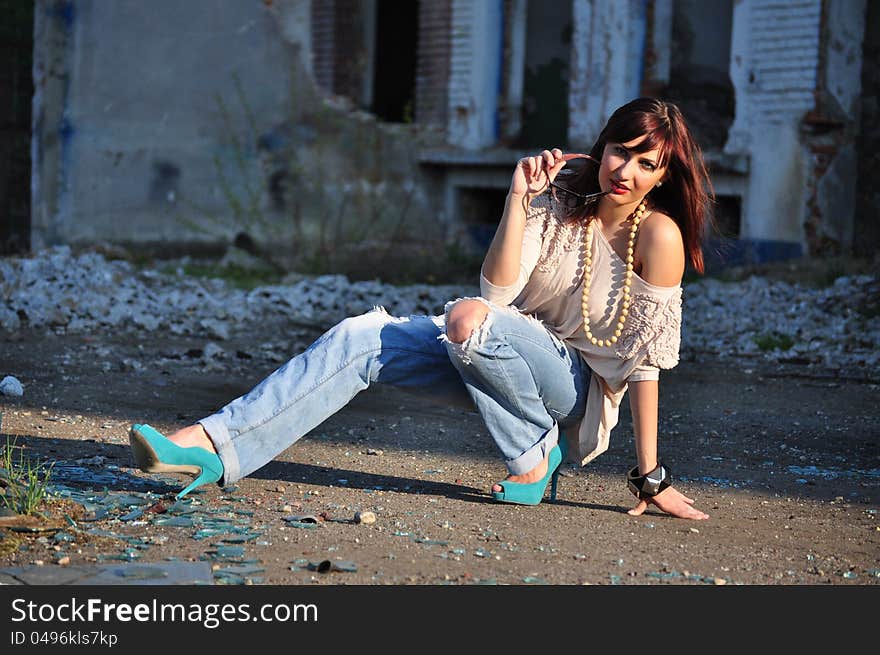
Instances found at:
x=534 y=455
x=219 y=436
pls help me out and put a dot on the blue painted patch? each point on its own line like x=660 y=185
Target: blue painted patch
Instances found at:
x=721 y=253
x=65 y=11
x=273 y=141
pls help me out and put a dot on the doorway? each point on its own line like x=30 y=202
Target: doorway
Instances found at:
x=16 y=97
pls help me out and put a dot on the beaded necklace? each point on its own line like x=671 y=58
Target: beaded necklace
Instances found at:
x=636 y=218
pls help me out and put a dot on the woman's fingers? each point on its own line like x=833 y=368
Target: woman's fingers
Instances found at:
x=672 y=502
x=678 y=506
x=692 y=513
x=534 y=168
x=556 y=163
x=539 y=170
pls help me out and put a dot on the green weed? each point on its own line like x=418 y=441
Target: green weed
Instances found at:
x=237 y=276
x=26 y=481
x=773 y=341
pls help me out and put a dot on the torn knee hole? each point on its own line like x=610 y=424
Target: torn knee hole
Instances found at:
x=464 y=320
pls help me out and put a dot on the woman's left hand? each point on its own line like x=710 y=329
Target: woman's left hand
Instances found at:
x=672 y=502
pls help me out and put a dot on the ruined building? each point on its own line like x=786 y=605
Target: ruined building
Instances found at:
x=329 y=129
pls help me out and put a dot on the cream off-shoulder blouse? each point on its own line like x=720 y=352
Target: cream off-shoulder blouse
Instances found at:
x=549 y=289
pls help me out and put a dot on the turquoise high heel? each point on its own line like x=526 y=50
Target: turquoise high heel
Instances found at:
x=532 y=493
x=155 y=453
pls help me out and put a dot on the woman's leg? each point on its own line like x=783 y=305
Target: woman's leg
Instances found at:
x=374 y=347
x=524 y=381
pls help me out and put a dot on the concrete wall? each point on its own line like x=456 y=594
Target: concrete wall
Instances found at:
x=796 y=70
x=832 y=130
x=608 y=47
x=167 y=123
x=475 y=73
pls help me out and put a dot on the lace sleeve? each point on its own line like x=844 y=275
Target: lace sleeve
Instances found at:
x=539 y=210
x=557 y=235
x=652 y=330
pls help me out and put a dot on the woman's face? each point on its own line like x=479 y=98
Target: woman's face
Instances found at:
x=629 y=175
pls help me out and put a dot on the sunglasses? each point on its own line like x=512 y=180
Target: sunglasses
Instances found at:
x=574 y=167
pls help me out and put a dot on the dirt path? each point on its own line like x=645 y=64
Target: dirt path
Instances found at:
x=786 y=463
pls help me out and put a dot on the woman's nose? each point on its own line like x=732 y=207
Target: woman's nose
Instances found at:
x=627 y=168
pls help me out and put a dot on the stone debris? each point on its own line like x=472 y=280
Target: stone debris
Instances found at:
x=81 y=293
x=10 y=386
x=365 y=518
x=760 y=318
x=788 y=323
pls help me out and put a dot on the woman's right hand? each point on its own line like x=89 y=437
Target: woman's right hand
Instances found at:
x=534 y=174
x=673 y=502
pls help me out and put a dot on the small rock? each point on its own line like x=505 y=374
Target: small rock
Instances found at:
x=131 y=364
x=10 y=386
x=375 y=451
x=215 y=329
x=719 y=581
x=365 y=517
x=212 y=351
x=694 y=530
x=64 y=561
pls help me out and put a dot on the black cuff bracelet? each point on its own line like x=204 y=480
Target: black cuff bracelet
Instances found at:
x=650 y=484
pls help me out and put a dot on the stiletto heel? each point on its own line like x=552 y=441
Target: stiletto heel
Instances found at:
x=155 y=453
x=531 y=493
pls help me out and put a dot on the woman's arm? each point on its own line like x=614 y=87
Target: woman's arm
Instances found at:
x=643 y=402
x=501 y=265
x=643 y=397
x=660 y=252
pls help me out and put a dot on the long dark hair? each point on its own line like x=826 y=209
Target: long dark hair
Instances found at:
x=687 y=193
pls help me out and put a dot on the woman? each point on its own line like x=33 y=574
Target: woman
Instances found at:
x=577 y=306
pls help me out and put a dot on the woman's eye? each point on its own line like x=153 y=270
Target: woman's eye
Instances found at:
x=648 y=166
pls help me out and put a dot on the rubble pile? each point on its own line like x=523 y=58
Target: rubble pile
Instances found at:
x=87 y=293
x=830 y=327
x=758 y=317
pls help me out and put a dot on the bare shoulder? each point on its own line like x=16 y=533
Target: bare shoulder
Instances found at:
x=661 y=250
x=659 y=231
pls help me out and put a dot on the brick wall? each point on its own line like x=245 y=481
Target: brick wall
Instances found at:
x=323 y=43
x=432 y=68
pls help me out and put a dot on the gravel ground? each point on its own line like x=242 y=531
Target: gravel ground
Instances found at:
x=777 y=444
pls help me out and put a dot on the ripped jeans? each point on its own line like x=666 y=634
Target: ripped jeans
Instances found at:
x=524 y=382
